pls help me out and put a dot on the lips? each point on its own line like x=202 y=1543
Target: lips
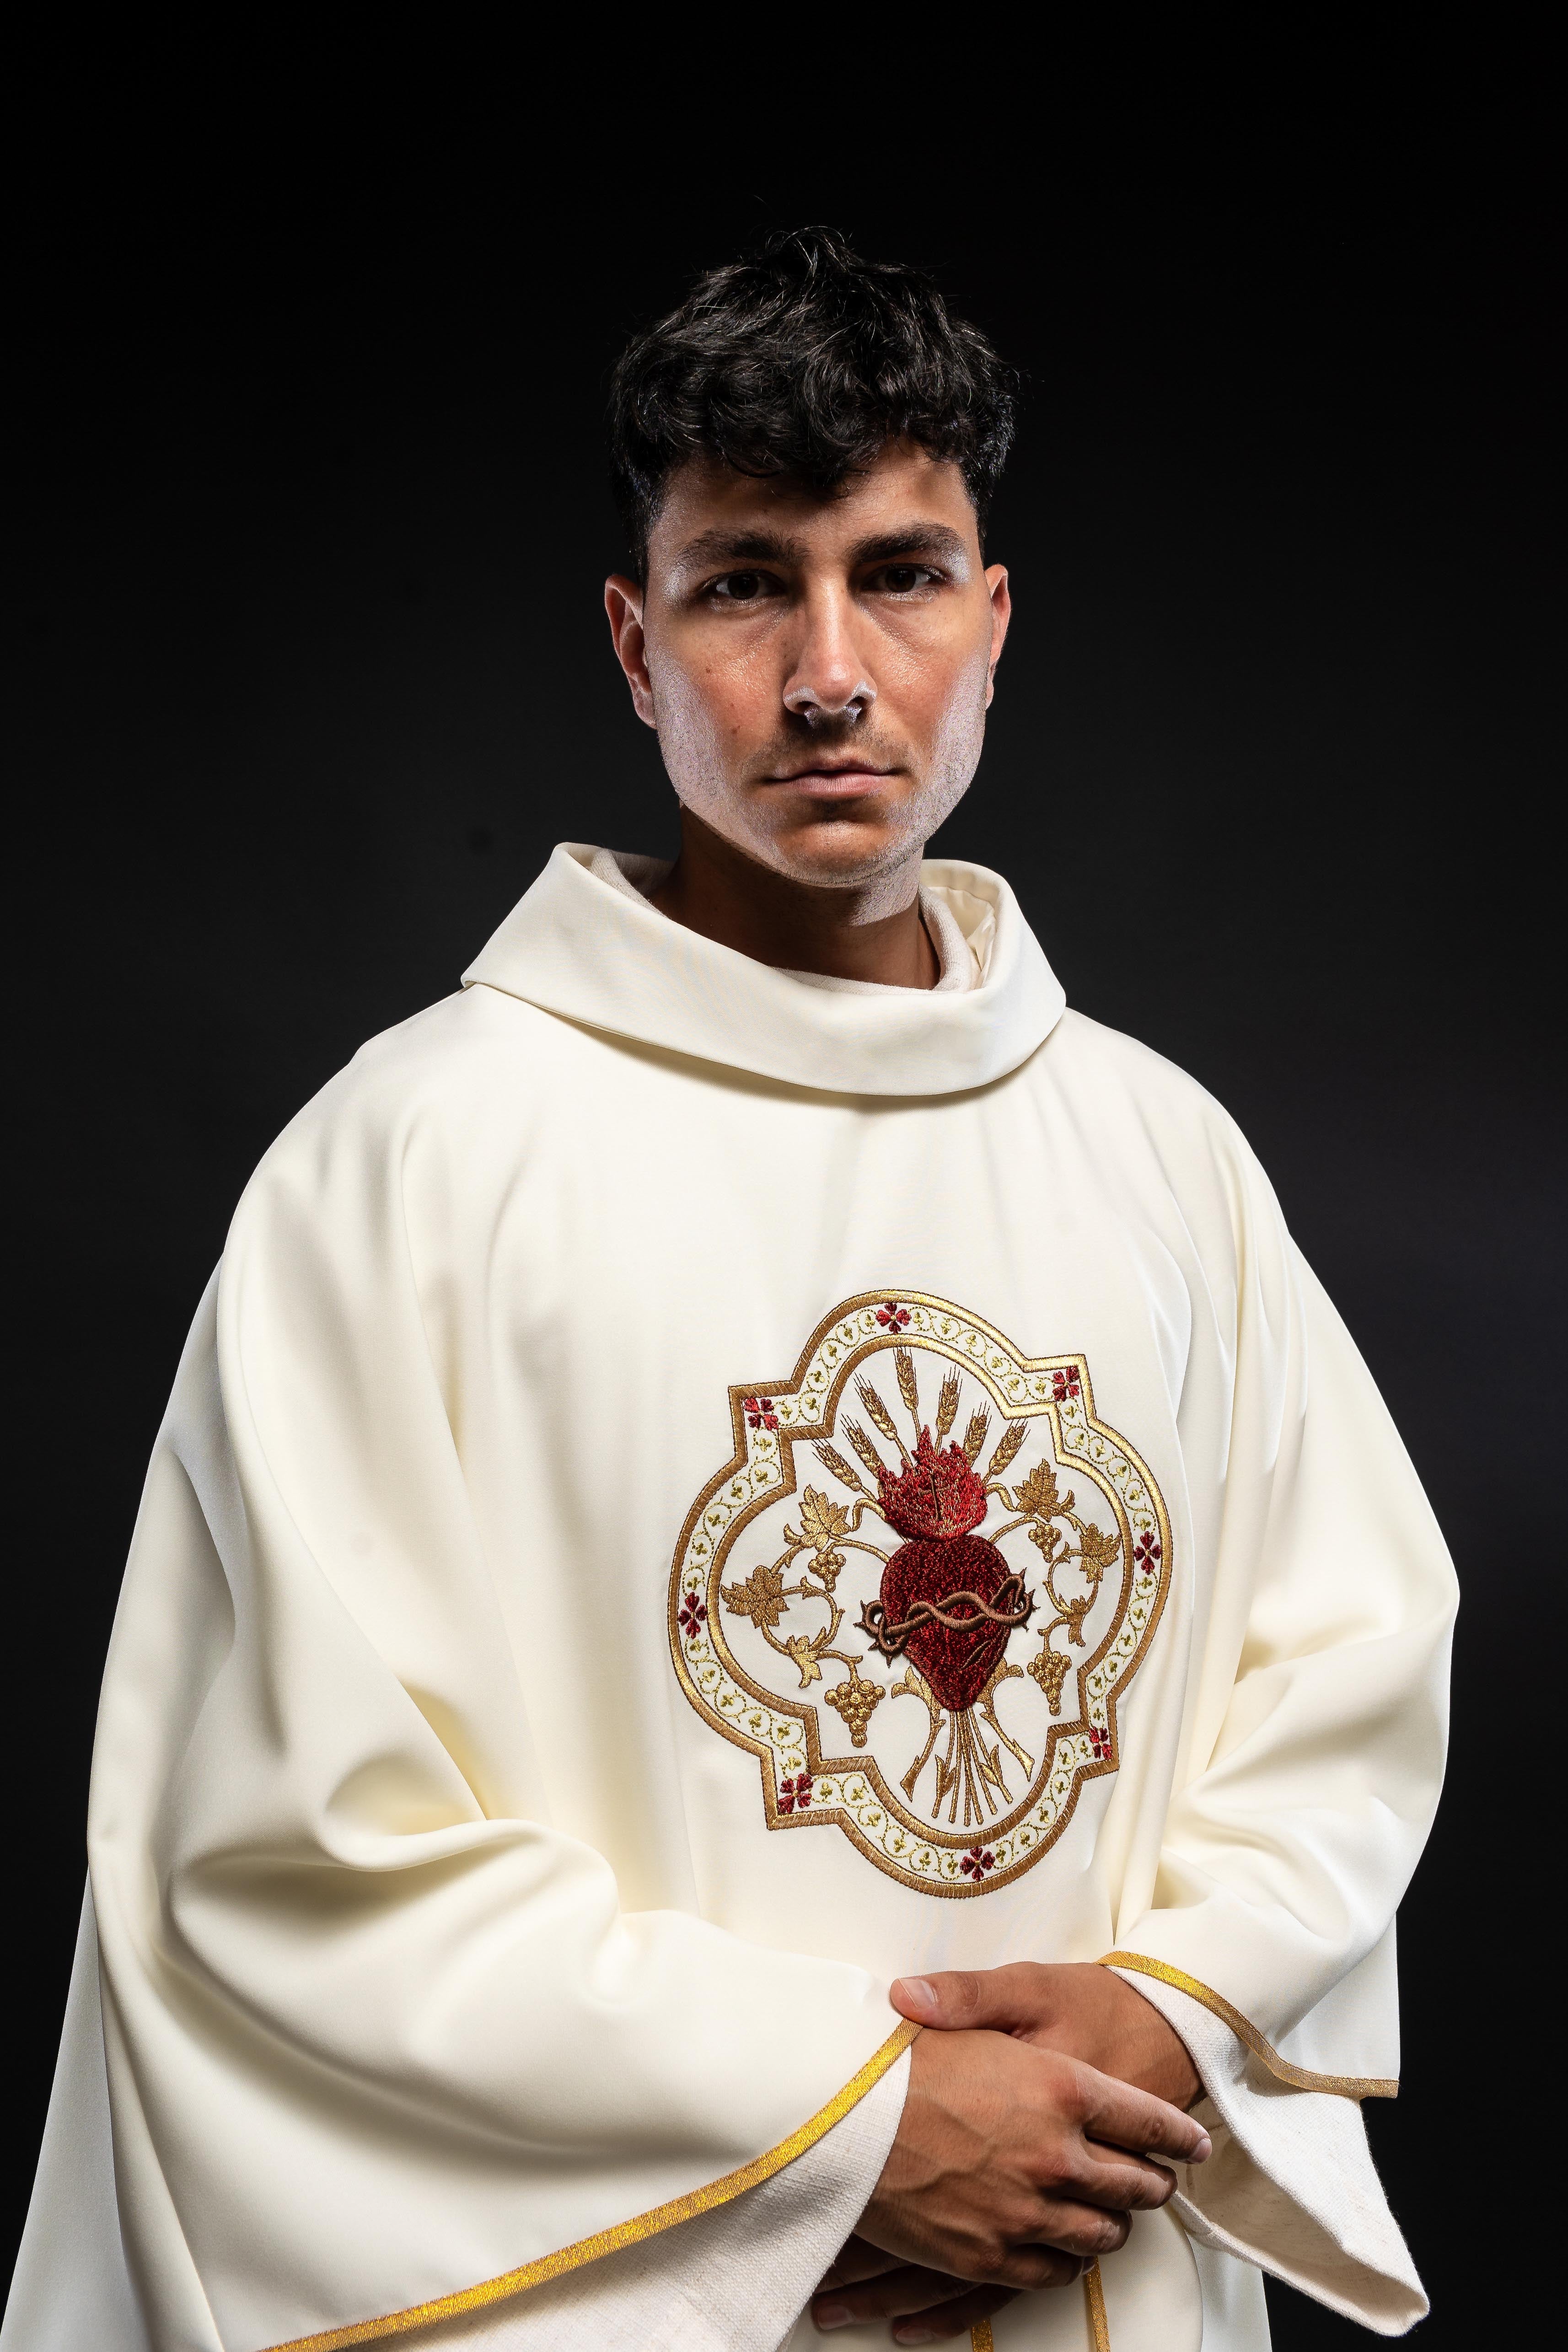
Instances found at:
x=847 y=780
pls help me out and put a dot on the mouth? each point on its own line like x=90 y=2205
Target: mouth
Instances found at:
x=834 y=779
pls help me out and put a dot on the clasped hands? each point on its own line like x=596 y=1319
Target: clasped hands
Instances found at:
x=1037 y=2111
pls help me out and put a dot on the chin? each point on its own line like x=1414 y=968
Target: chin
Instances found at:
x=842 y=852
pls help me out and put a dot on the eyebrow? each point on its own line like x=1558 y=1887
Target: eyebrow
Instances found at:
x=720 y=546
x=741 y=547
x=914 y=539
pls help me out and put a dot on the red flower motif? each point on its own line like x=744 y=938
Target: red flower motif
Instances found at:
x=1064 y=1385
x=977 y=1861
x=892 y=1316
x=693 y=1616
x=1146 y=1550
x=1100 y=1743
x=795 y=1792
x=760 y=1412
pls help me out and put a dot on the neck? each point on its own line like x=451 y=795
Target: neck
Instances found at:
x=870 y=930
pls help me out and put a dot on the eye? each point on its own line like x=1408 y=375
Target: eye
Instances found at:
x=743 y=587
x=903 y=579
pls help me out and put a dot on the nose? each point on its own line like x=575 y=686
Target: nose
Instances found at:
x=827 y=684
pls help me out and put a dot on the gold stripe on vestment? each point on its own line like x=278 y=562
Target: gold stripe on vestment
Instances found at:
x=624 y=2234
x=1301 y=2078
x=1094 y=2294
x=981 y=2340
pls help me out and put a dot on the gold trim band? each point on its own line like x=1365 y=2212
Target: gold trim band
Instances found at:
x=1094 y=2296
x=981 y=2340
x=1301 y=2078
x=625 y=2233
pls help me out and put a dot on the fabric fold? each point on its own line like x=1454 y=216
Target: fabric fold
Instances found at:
x=1290 y=2186
x=361 y=1957
x=574 y=945
x=733 y=2280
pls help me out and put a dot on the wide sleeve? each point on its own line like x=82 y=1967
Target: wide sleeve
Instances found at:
x=1311 y=1759
x=379 y=2037
x=1316 y=1712
x=733 y=2280
x=1290 y=2186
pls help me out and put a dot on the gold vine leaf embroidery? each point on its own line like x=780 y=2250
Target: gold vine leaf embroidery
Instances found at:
x=761 y=1598
x=1097 y=1550
x=803 y=1650
x=1037 y=1494
x=822 y=1521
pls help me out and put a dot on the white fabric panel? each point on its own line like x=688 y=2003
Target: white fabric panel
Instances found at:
x=1236 y=2309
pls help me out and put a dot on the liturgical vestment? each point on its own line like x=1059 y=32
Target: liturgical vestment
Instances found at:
x=690 y=1494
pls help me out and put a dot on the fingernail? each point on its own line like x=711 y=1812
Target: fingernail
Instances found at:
x=1204 y=2150
x=915 y=2335
x=918 y=1994
x=831 y=2315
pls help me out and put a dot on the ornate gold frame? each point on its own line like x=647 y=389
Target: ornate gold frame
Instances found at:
x=795 y=1428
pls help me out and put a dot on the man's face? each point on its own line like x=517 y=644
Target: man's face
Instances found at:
x=817 y=668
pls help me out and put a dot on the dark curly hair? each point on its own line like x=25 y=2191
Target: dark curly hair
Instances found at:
x=803 y=360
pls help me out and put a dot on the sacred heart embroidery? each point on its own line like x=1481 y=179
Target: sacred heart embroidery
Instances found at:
x=993 y=1551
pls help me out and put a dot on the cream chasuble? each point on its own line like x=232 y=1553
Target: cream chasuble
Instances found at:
x=689 y=1496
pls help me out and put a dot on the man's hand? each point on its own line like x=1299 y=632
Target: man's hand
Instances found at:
x=925 y=2306
x=1011 y=2169
x=1080 y=2014
x=1083 y=2011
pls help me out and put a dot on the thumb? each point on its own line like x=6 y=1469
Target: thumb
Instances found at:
x=956 y=1998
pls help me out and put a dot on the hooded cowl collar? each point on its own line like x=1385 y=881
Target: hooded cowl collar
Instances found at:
x=574 y=945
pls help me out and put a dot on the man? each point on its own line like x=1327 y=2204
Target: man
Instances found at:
x=748 y=1457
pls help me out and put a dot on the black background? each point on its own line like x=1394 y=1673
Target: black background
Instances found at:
x=312 y=673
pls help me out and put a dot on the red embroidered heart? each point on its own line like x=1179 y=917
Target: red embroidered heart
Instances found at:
x=957 y=1661
x=937 y=1500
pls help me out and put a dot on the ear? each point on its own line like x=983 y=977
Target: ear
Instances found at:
x=1001 y=614
x=623 y=608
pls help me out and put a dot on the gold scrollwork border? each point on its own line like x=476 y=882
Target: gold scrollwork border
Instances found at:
x=832 y=1816
x=1301 y=2078
x=624 y=2234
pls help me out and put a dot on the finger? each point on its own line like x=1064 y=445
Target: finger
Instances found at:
x=1114 y=2112
x=1110 y=2177
x=967 y=1999
x=911 y=2287
x=858 y=2259
x=1083 y=2229
x=946 y=2320
x=1027 y=2268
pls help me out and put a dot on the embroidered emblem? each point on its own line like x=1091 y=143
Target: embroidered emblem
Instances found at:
x=1007 y=1579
